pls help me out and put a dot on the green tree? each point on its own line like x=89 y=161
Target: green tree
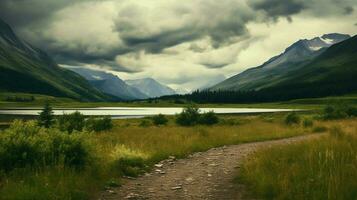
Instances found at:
x=188 y=117
x=159 y=119
x=45 y=118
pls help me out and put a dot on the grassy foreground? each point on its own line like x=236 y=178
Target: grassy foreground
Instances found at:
x=324 y=168
x=131 y=148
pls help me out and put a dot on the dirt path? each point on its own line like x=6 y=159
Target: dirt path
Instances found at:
x=207 y=175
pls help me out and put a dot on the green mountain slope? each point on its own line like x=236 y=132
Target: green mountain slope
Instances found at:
x=24 y=68
x=334 y=72
x=278 y=68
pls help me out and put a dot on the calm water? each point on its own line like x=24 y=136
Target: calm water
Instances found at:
x=133 y=112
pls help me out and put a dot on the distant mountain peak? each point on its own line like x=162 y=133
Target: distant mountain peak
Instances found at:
x=109 y=83
x=151 y=87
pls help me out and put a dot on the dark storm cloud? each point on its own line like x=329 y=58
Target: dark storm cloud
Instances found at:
x=201 y=22
x=215 y=65
x=274 y=9
x=23 y=12
x=278 y=8
x=150 y=26
x=349 y=10
x=156 y=43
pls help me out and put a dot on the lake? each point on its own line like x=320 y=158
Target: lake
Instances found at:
x=135 y=112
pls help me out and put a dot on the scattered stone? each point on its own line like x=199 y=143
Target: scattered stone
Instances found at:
x=176 y=188
x=111 y=191
x=209 y=175
x=129 y=177
x=189 y=179
x=132 y=196
x=159 y=165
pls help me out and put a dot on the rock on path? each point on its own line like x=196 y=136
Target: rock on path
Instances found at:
x=207 y=175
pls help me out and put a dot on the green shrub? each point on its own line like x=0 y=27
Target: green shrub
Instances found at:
x=334 y=112
x=292 y=118
x=208 y=118
x=25 y=144
x=308 y=123
x=45 y=119
x=188 y=117
x=340 y=111
x=71 y=122
x=159 y=119
x=98 y=124
x=351 y=111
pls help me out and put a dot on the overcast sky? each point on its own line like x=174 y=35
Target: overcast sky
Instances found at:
x=184 y=44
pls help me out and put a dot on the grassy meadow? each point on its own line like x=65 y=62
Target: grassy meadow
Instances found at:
x=130 y=148
x=324 y=168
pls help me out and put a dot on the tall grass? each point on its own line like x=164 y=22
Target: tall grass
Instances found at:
x=130 y=149
x=324 y=168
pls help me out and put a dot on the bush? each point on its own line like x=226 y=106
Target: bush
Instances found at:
x=159 y=119
x=292 y=118
x=71 y=122
x=98 y=124
x=208 y=118
x=334 y=112
x=308 y=123
x=188 y=117
x=340 y=111
x=25 y=144
x=351 y=111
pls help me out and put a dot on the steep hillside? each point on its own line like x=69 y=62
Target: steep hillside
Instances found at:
x=24 y=68
x=151 y=87
x=334 y=72
x=279 y=67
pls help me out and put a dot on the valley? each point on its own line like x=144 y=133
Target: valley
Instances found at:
x=159 y=100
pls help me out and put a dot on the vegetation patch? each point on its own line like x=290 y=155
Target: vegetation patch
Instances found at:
x=319 y=169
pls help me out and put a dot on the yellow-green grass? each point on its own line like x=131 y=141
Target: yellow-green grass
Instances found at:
x=139 y=145
x=324 y=168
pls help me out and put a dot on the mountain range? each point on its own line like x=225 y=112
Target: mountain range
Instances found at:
x=329 y=68
x=321 y=66
x=280 y=67
x=151 y=87
x=25 y=68
x=111 y=84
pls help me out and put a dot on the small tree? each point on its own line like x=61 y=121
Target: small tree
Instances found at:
x=45 y=118
x=159 y=119
x=292 y=118
x=71 y=122
x=98 y=124
x=208 y=118
x=188 y=117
